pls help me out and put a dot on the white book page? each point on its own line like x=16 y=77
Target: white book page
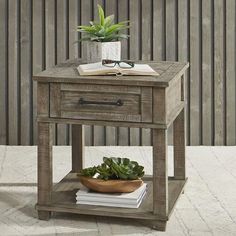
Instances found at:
x=125 y=205
x=111 y=200
x=99 y=69
x=141 y=68
x=96 y=69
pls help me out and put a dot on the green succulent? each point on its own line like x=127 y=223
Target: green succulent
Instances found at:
x=115 y=168
x=105 y=30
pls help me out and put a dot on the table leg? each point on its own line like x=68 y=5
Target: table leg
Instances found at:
x=160 y=178
x=77 y=147
x=44 y=168
x=179 y=146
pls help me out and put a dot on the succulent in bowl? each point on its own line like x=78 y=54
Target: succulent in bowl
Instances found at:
x=115 y=168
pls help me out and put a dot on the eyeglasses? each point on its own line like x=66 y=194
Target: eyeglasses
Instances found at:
x=121 y=64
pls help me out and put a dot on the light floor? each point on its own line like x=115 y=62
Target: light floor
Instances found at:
x=208 y=206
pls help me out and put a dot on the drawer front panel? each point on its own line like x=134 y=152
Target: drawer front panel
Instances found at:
x=95 y=102
x=103 y=105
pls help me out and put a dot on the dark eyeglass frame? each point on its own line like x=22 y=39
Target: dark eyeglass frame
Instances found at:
x=106 y=62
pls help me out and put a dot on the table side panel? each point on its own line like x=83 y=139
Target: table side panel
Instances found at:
x=43 y=100
x=146 y=104
x=55 y=100
x=174 y=96
x=159 y=105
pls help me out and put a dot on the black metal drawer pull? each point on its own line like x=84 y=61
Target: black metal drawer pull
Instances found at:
x=117 y=103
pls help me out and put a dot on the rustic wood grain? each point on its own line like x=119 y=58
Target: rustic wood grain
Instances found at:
x=193 y=26
x=67 y=72
x=25 y=73
x=146 y=52
x=183 y=50
x=137 y=103
x=179 y=146
x=101 y=88
x=160 y=174
x=62 y=55
x=175 y=97
x=77 y=147
x=72 y=24
x=123 y=7
x=70 y=102
x=50 y=30
x=112 y=123
x=43 y=100
x=230 y=73
x=195 y=114
x=146 y=104
x=159 y=105
x=13 y=73
x=171 y=30
x=50 y=41
x=85 y=18
x=99 y=131
x=159 y=30
x=44 y=168
x=171 y=49
x=111 y=132
x=144 y=107
x=63 y=201
x=38 y=55
x=219 y=73
x=134 y=52
x=55 y=100
x=73 y=44
x=207 y=74
x=3 y=69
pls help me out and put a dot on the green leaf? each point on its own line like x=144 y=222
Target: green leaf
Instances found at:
x=101 y=15
x=115 y=28
x=105 y=30
x=115 y=168
x=87 y=29
x=126 y=161
x=109 y=20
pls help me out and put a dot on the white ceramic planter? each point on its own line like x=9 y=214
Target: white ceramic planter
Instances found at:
x=96 y=51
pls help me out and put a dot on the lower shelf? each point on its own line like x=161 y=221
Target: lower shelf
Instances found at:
x=63 y=200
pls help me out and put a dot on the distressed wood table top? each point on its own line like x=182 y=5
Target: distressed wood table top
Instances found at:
x=67 y=73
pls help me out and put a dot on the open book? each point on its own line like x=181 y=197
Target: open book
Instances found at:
x=99 y=69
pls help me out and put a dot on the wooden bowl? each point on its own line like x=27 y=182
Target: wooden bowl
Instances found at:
x=110 y=186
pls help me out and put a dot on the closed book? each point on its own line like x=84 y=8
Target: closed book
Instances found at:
x=133 y=197
x=112 y=204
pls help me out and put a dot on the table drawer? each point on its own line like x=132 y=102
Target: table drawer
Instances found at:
x=101 y=102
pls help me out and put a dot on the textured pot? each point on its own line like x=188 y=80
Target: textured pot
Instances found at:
x=97 y=51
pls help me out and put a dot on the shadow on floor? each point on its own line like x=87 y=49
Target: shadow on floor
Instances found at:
x=23 y=202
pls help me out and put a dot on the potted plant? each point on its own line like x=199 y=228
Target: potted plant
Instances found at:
x=103 y=37
x=113 y=175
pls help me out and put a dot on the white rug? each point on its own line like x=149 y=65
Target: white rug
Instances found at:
x=208 y=206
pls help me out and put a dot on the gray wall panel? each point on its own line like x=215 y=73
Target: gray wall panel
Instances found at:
x=38 y=34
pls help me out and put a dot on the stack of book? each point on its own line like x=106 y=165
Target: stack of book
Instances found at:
x=127 y=200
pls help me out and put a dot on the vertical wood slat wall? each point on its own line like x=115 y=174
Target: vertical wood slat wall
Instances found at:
x=38 y=34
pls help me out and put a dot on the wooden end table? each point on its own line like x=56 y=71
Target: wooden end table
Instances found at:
x=147 y=102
